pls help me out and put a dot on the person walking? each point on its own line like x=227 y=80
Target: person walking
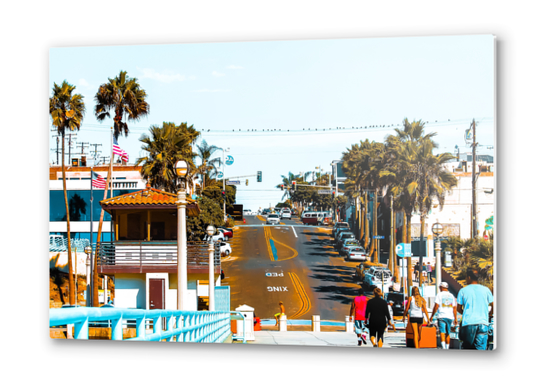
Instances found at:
x=429 y=273
x=390 y=309
x=357 y=314
x=278 y=315
x=473 y=302
x=424 y=274
x=446 y=310
x=416 y=308
x=378 y=317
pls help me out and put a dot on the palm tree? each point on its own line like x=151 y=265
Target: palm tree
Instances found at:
x=428 y=180
x=125 y=97
x=287 y=182
x=205 y=151
x=67 y=110
x=165 y=146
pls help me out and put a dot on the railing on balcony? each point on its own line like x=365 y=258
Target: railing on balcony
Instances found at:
x=153 y=254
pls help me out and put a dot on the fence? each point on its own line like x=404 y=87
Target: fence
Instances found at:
x=180 y=326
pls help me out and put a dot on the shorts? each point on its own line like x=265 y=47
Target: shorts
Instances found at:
x=278 y=314
x=445 y=325
x=416 y=320
x=359 y=327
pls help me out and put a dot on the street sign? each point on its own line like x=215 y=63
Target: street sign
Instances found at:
x=324 y=192
x=403 y=250
x=233 y=182
x=378 y=237
x=220 y=175
x=229 y=160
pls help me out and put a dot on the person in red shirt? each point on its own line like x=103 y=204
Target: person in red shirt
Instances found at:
x=357 y=314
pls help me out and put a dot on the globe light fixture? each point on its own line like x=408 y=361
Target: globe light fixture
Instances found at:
x=181 y=167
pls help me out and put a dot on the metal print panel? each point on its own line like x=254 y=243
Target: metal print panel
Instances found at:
x=313 y=192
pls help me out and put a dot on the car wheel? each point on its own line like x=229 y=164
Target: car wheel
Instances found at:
x=226 y=238
x=227 y=252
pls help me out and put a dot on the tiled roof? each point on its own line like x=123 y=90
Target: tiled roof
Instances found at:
x=148 y=198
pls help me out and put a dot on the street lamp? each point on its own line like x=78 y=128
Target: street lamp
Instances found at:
x=224 y=150
x=437 y=230
x=181 y=167
x=88 y=251
x=211 y=231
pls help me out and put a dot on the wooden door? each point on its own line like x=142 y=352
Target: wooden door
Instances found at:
x=156 y=294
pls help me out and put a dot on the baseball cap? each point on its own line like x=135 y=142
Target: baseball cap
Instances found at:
x=444 y=284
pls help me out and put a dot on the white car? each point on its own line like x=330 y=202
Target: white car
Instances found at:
x=247 y=212
x=272 y=218
x=225 y=248
x=286 y=213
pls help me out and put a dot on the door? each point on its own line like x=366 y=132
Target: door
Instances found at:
x=156 y=293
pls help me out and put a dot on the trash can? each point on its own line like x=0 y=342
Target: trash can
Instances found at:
x=247 y=324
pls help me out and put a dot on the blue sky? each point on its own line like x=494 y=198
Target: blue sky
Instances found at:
x=227 y=90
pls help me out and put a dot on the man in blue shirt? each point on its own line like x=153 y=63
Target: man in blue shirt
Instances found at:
x=473 y=303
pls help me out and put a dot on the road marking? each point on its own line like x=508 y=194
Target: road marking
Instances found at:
x=277 y=289
x=272 y=248
x=305 y=301
x=294 y=231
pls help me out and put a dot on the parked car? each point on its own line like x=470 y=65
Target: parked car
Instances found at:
x=349 y=243
x=247 y=212
x=225 y=248
x=228 y=234
x=339 y=231
x=266 y=211
x=339 y=224
x=356 y=253
x=324 y=219
x=376 y=277
x=342 y=237
x=272 y=218
x=398 y=299
x=362 y=268
x=286 y=213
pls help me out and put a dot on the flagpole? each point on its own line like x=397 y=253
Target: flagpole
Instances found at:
x=91 y=237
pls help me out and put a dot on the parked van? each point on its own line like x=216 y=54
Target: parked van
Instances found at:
x=310 y=218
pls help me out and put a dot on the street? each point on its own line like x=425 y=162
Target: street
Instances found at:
x=292 y=263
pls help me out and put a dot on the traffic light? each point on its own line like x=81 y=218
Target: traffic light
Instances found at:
x=293 y=183
x=224 y=195
x=259 y=177
x=282 y=187
x=333 y=194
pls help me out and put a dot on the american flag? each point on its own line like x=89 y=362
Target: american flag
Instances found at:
x=119 y=151
x=98 y=181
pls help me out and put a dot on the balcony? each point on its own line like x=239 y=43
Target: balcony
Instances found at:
x=153 y=256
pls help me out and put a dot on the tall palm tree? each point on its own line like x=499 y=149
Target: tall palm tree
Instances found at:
x=205 y=151
x=124 y=97
x=165 y=146
x=428 y=180
x=127 y=100
x=67 y=110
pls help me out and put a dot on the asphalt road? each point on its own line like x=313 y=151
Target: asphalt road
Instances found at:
x=291 y=263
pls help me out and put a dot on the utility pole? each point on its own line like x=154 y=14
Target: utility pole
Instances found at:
x=474 y=222
x=70 y=147
x=96 y=152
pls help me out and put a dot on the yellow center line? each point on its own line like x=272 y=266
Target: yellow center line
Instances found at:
x=305 y=301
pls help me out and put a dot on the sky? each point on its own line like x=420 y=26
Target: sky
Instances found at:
x=292 y=105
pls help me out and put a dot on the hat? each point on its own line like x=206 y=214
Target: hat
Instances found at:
x=444 y=284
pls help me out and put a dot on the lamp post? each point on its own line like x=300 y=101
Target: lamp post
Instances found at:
x=224 y=150
x=437 y=230
x=181 y=167
x=88 y=251
x=211 y=231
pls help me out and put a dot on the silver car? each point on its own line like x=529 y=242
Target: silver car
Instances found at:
x=356 y=253
x=272 y=218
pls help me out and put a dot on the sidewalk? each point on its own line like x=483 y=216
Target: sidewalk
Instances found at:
x=335 y=339
x=329 y=336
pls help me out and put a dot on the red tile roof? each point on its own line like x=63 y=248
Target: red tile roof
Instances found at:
x=148 y=198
